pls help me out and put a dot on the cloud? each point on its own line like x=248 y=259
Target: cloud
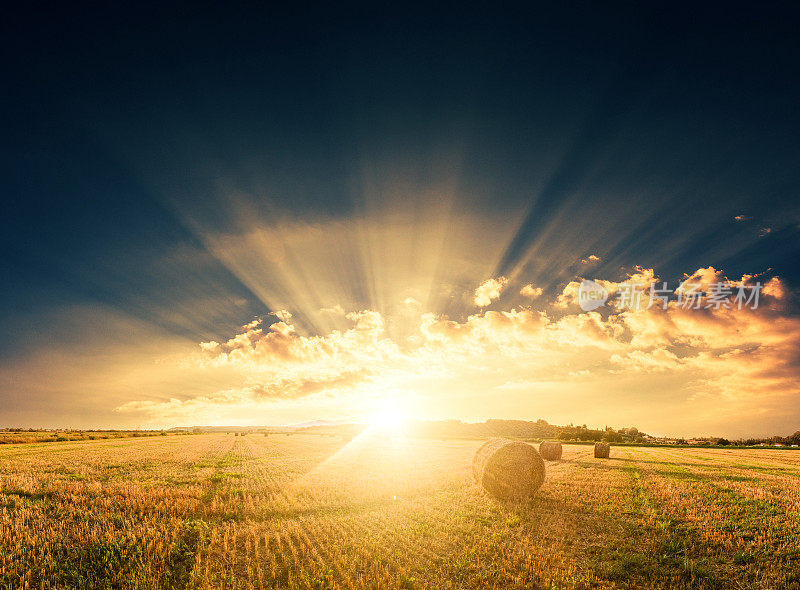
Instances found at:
x=260 y=395
x=655 y=364
x=641 y=277
x=701 y=280
x=591 y=259
x=639 y=361
x=281 y=314
x=489 y=291
x=775 y=288
x=530 y=291
x=280 y=342
x=412 y=304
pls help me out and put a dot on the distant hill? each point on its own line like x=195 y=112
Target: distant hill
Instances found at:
x=446 y=429
x=204 y=429
x=524 y=429
x=263 y=428
x=312 y=423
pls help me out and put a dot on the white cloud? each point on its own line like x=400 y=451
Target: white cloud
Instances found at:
x=489 y=290
x=530 y=291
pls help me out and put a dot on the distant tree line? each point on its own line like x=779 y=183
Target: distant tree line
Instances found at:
x=793 y=439
x=524 y=429
x=541 y=429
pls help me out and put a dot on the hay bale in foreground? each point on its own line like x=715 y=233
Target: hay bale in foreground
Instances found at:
x=508 y=469
x=550 y=450
x=602 y=450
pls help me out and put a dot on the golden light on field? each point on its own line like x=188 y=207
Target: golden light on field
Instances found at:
x=329 y=300
x=286 y=511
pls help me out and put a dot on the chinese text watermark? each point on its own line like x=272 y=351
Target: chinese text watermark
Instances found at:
x=637 y=296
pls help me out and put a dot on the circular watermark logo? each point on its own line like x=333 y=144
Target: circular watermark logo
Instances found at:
x=591 y=295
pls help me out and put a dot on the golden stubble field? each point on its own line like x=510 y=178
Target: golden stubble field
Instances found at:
x=384 y=511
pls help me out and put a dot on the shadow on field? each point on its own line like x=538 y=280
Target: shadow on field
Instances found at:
x=679 y=471
x=182 y=558
x=717 y=468
x=712 y=466
x=104 y=563
x=627 y=460
x=619 y=546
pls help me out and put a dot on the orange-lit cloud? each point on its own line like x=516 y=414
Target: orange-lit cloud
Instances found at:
x=489 y=290
x=530 y=291
x=685 y=363
x=725 y=371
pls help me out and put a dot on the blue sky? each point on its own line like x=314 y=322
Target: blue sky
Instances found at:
x=171 y=175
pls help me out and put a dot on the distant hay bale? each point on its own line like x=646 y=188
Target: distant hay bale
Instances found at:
x=602 y=450
x=550 y=450
x=508 y=469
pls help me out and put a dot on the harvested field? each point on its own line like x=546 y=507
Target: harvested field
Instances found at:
x=219 y=511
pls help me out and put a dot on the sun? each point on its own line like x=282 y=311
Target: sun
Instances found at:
x=387 y=421
x=390 y=416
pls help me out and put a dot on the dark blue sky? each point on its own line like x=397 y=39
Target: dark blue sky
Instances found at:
x=121 y=125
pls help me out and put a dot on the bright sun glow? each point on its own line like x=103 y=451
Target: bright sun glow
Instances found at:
x=390 y=416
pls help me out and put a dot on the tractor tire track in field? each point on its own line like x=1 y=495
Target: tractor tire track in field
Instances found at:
x=655 y=547
x=726 y=520
x=183 y=557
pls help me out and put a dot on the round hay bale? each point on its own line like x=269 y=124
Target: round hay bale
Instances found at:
x=508 y=469
x=550 y=450
x=602 y=450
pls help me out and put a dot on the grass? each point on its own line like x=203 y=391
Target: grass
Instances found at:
x=218 y=511
x=17 y=437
